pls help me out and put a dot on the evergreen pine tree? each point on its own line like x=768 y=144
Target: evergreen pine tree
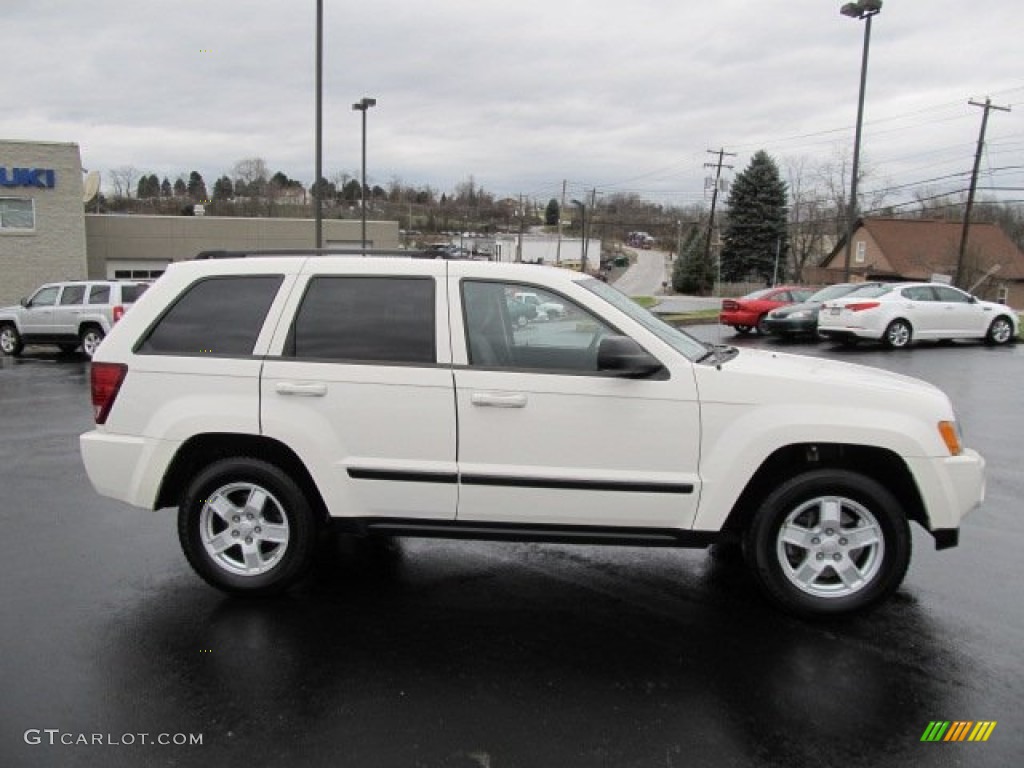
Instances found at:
x=758 y=212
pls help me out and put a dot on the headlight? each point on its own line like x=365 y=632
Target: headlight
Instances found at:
x=801 y=313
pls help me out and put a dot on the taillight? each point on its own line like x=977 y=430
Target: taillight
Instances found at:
x=118 y=313
x=860 y=306
x=106 y=379
x=730 y=304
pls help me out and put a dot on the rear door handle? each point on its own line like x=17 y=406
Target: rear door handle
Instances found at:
x=498 y=400
x=301 y=390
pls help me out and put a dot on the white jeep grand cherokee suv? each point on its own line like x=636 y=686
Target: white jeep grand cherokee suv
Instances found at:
x=266 y=396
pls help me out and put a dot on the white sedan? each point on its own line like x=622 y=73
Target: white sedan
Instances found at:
x=899 y=313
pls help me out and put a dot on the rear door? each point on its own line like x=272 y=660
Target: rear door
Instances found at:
x=360 y=386
x=69 y=309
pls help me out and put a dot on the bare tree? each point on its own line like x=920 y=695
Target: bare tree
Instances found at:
x=123 y=178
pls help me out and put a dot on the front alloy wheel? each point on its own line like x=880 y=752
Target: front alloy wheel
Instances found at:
x=10 y=340
x=829 y=542
x=245 y=526
x=1000 y=332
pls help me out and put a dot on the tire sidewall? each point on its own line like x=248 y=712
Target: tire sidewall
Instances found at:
x=761 y=537
x=294 y=505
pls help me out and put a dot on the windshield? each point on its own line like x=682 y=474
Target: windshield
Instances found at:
x=682 y=342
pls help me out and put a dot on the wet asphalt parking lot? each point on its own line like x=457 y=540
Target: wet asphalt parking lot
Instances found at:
x=438 y=653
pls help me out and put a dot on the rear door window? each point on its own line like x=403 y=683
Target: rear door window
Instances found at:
x=366 y=319
x=216 y=316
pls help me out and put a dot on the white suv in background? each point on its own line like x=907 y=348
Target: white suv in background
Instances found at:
x=267 y=396
x=67 y=315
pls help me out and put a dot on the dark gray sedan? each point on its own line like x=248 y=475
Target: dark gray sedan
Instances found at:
x=802 y=319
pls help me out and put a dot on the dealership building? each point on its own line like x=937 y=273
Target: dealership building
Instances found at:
x=46 y=236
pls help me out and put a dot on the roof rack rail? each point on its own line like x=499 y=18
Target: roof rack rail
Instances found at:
x=258 y=252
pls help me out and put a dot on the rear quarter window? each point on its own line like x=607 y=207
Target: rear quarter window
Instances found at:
x=215 y=316
x=130 y=293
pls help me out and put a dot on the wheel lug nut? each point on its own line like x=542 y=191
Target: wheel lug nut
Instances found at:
x=843 y=542
x=815 y=541
x=829 y=532
x=249 y=516
x=236 y=519
x=837 y=557
x=235 y=534
x=248 y=539
x=258 y=529
x=821 y=555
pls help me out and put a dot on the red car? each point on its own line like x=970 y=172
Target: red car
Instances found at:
x=748 y=312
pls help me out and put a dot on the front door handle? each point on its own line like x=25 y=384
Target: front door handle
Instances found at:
x=301 y=390
x=498 y=399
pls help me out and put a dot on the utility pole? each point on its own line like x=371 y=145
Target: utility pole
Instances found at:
x=558 y=245
x=522 y=224
x=714 y=199
x=960 y=277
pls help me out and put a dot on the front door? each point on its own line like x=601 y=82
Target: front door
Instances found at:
x=546 y=439
x=37 y=319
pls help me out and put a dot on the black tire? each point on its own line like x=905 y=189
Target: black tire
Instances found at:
x=801 y=570
x=762 y=325
x=275 y=527
x=10 y=340
x=742 y=329
x=90 y=337
x=1000 y=331
x=898 y=334
x=67 y=349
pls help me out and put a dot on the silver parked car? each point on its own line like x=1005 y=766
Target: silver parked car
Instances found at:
x=68 y=315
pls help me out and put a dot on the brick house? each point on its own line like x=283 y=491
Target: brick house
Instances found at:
x=919 y=249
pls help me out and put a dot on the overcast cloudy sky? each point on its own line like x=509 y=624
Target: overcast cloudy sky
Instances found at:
x=624 y=96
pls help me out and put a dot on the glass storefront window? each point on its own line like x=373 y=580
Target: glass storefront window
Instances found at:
x=17 y=213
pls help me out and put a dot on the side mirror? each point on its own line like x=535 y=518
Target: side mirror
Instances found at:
x=24 y=301
x=623 y=357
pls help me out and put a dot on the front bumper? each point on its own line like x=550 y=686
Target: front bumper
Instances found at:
x=951 y=487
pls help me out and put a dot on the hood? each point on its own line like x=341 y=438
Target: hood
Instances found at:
x=759 y=376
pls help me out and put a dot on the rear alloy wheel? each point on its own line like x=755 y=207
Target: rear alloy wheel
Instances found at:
x=762 y=325
x=10 y=340
x=245 y=526
x=828 y=542
x=91 y=337
x=898 y=334
x=1000 y=332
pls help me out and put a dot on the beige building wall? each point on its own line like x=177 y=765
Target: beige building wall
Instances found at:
x=54 y=247
x=134 y=241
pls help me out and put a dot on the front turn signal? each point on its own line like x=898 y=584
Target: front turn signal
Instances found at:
x=951 y=437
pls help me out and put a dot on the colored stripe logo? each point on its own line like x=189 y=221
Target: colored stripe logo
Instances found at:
x=958 y=730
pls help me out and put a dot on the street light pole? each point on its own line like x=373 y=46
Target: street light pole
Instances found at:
x=318 y=212
x=863 y=10
x=363 y=105
x=583 y=230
